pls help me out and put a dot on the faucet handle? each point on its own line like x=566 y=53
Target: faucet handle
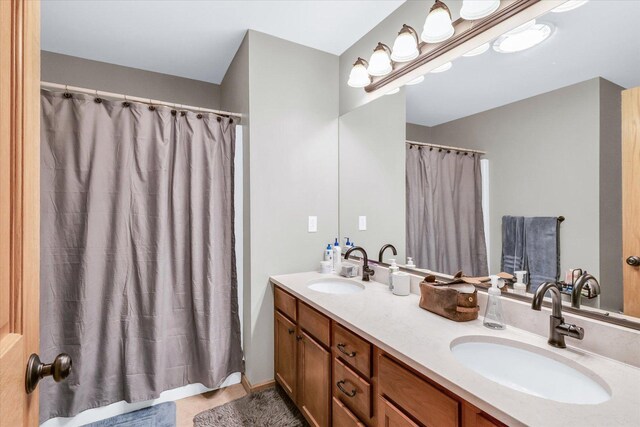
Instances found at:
x=569 y=330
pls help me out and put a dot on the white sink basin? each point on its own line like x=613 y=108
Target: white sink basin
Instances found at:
x=530 y=370
x=335 y=285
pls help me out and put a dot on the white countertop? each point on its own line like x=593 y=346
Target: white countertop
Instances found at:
x=422 y=340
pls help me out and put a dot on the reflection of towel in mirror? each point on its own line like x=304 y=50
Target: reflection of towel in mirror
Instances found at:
x=513 y=244
x=531 y=244
x=542 y=251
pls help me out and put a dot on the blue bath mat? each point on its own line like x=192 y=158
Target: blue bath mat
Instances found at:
x=162 y=415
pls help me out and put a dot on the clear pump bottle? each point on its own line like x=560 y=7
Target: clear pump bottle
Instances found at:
x=493 y=317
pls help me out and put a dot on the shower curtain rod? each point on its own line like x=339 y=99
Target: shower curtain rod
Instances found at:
x=445 y=147
x=100 y=93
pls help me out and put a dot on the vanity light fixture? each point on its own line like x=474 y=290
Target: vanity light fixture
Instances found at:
x=438 y=26
x=405 y=47
x=442 y=68
x=415 y=81
x=359 y=77
x=569 y=5
x=393 y=91
x=380 y=61
x=478 y=51
x=522 y=40
x=478 y=9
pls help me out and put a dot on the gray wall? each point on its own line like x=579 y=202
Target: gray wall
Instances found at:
x=74 y=71
x=554 y=154
x=611 y=195
x=372 y=141
x=419 y=133
x=291 y=160
x=234 y=96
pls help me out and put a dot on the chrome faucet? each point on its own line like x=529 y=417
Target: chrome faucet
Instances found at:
x=366 y=270
x=576 y=293
x=558 y=329
x=384 y=248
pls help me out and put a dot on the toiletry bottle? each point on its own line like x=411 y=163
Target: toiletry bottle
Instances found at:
x=393 y=268
x=337 y=256
x=328 y=254
x=410 y=263
x=493 y=317
x=520 y=287
x=347 y=243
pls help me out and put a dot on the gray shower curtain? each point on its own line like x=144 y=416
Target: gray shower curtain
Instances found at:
x=445 y=229
x=138 y=277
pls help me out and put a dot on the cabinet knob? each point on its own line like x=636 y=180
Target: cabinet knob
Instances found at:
x=633 y=261
x=299 y=338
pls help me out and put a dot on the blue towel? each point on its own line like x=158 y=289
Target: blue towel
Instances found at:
x=513 y=244
x=162 y=415
x=542 y=250
x=531 y=244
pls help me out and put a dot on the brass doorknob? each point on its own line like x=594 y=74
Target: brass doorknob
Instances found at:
x=36 y=370
x=633 y=261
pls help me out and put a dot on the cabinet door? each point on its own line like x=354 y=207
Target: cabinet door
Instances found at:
x=285 y=357
x=314 y=379
x=390 y=416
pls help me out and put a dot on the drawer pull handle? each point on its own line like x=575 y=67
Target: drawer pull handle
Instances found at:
x=291 y=330
x=343 y=351
x=352 y=393
x=299 y=338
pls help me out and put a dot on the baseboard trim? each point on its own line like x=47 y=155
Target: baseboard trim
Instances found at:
x=250 y=388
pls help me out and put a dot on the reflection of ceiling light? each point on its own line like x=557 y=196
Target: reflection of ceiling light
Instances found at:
x=522 y=40
x=477 y=9
x=393 y=91
x=437 y=26
x=359 y=76
x=405 y=48
x=442 y=68
x=415 y=81
x=569 y=5
x=479 y=50
x=380 y=63
x=521 y=28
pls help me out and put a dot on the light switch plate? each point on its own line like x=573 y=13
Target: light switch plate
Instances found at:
x=362 y=223
x=313 y=224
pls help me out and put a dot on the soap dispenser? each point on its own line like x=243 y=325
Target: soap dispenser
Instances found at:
x=393 y=268
x=493 y=317
x=410 y=263
x=337 y=256
x=520 y=287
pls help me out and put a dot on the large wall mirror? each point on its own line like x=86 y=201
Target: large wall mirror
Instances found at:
x=510 y=159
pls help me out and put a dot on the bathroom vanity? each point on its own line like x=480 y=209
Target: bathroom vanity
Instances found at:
x=355 y=355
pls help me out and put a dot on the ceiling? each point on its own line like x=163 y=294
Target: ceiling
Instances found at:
x=198 y=39
x=599 y=39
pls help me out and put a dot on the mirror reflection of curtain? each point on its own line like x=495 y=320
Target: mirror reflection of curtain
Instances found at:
x=138 y=276
x=445 y=230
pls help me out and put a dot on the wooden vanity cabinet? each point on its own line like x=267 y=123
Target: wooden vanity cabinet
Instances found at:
x=337 y=378
x=302 y=360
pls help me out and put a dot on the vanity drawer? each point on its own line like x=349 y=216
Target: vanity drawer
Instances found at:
x=355 y=351
x=343 y=417
x=423 y=401
x=352 y=390
x=285 y=302
x=315 y=323
x=390 y=416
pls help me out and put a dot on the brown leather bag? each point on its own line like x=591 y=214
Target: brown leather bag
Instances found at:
x=448 y=302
